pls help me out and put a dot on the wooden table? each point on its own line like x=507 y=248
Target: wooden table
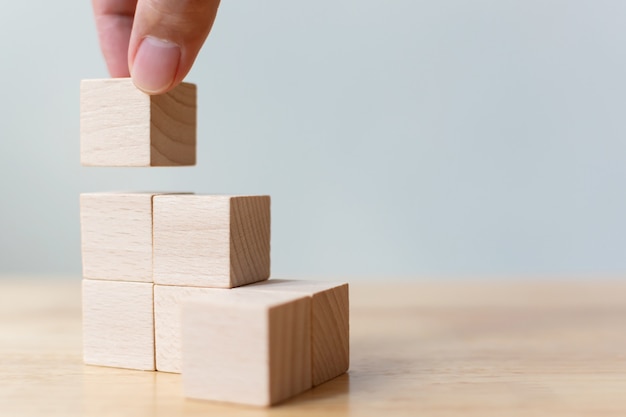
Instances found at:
x=420 y=349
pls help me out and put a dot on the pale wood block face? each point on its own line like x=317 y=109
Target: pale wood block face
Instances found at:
x=191 y=240
x=211 y=241
x=246 y=348
x=167 y=320
x=330 y=322
x=116 y=236
x=122 y=126
x=114 y=124
x=118 y=324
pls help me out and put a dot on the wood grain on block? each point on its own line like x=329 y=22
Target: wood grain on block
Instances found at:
x=118 y=324
x=122 y=126
x=211 y=241
x=116 y=236
x=246 y=347
x=330 y=351
x=167 y=322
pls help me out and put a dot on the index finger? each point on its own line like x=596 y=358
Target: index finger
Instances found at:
x=114 y=22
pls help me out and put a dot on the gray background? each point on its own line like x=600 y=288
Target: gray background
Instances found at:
x=398 y=139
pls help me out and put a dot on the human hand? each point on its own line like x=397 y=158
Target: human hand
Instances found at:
x=154 y=41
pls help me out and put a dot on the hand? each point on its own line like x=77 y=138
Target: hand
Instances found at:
x=154 y=41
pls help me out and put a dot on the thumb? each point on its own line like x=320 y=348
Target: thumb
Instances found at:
x=165 y=40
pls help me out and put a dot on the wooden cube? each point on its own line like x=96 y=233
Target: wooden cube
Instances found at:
x=118 y=324
x=116 y=236
x=211 y=241
x=245 y=347
x=167 y=322
x=122 y=126
x=330 y=346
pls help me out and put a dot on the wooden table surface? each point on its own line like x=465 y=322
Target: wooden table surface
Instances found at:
x=420 y=349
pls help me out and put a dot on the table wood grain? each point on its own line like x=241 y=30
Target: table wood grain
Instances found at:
x=426 y=348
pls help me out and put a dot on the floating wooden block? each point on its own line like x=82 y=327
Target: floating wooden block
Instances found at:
x=167 y=322
x=122 y=126
x=246 y=347
x=211 y=241
x=116 y=236
x=118 y=324
x=330 y=346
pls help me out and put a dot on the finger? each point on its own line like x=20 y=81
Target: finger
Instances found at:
x=114 y=21
x=166 y=38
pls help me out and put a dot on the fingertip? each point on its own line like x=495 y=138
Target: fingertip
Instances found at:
x=155 y=65
x=166 y=38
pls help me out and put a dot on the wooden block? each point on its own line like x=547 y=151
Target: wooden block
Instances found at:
x=116 y=236
x=211 y=241
x=330 y=351
x=122 y=126
x=246 y=347
x=167 y=322
x=118 y=324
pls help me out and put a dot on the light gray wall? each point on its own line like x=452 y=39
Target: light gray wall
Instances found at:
x=397 y=138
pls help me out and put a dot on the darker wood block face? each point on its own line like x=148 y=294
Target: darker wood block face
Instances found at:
x=290 y=350
x=331 y=327
x=173 y=127
x=249 y=239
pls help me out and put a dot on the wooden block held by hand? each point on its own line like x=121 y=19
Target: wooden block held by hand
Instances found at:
x=118 y=324
x=211 y=241
x=116 y=236
x=122 y=126
x=168 y=300
x=330 y=346
x=245 y=347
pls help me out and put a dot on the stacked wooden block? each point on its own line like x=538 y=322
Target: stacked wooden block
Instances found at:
x=178 y=282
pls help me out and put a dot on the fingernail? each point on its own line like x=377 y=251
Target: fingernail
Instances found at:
x=155 y=65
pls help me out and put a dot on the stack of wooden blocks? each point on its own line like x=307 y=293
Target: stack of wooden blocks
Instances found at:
x=178 y=282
